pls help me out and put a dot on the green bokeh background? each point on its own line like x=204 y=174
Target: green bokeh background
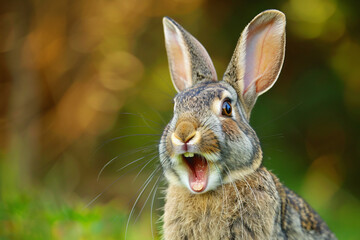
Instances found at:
x=85 y=89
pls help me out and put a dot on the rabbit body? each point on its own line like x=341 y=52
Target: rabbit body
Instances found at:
x=258 y=207
x=241 y=210
x=211 y=156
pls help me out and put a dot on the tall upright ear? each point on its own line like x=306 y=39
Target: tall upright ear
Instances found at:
x=189 y=62
x=258 y=57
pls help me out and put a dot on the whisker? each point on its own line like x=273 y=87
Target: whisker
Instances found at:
x=143 y=118
x=127 y=127
x=151 y=209
x=137 y=199
x=279 y=135
x=279 y=116
x=147 y=124
x=125 y=136
x=140 y=149
x=169 y=96
x=121 y=155
x=136 y=160
x=106 y=189
x=142 y=208
x=156 y=169
x=273 y=148
x=103 y=168
x=137 y=175
x=161 y=117
x=116 y=180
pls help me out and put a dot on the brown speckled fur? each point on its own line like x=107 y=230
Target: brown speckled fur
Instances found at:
x=243 y=209
x=257 y=207
x=310 y=221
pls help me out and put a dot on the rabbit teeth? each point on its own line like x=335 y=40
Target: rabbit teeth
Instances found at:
x=197 y=186
x=188 y=154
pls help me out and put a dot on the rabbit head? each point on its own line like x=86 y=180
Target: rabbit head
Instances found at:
x=209 y=141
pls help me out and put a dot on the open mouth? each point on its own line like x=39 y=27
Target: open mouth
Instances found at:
x=198 y=171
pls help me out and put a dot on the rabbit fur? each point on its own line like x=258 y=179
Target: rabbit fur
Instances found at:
x=212 y=159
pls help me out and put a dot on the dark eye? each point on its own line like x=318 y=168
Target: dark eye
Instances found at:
x=226 y=108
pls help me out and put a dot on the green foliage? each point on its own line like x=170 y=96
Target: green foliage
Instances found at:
x=37 y=216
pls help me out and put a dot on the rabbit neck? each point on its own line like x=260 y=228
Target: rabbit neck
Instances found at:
x=249 y=206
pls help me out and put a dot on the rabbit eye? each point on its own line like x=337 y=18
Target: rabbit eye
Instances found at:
x=226 y=108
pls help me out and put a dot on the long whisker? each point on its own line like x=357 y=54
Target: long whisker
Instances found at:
x=279 y=116
x=279 y=135
x=105 y=190
x=161 y=117
x=130 y=163
x=143 y=118
x=156 y=169
x=137 y=199
x=125 y=136
x=137 y=175
x=151 y=209
x=115 y=181
x=147 y=124
x=134 y=126
x=142 y=208
x=122 y=155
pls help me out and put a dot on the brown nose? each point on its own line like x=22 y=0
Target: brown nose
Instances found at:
x=185 y=131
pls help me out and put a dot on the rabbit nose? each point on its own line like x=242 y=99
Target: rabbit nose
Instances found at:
x=185 y=131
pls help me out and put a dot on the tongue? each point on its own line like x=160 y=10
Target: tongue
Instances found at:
x=198 y=174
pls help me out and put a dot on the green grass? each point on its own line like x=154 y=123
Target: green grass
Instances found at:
x=35 y=216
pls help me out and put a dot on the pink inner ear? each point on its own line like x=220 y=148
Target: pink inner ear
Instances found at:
x=179 y=62
x=264 y=47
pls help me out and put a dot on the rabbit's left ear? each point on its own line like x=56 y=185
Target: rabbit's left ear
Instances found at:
x=258 y=57
x=189 y=62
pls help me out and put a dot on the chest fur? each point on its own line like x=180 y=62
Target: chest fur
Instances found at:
x=246 y=209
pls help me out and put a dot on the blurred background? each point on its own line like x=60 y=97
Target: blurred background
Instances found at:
x=85 y=92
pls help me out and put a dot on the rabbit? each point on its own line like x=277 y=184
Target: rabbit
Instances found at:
x=211 y=158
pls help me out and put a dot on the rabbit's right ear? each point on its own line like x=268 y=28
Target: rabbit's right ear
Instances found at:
x=258 y=57
x=189 y=62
